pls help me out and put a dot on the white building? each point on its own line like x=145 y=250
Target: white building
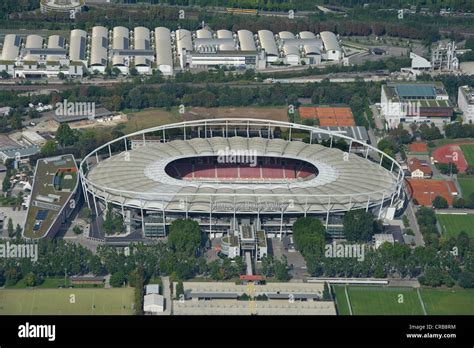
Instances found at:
x=33 y=138
x=415 y=103
x=333 y=50
x=153 y=304
x=466 y=103
x=382 y=238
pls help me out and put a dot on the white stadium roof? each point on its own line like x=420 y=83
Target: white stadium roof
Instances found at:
x=137 y=178
x=78 y=45
x=267 y=41
x=330 y=41
x=164 y=55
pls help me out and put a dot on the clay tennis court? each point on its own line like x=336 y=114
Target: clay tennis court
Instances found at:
x=328 y=116
x=424 y=191
x=451 y=153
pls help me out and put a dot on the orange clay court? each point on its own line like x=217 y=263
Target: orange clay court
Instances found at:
x=424 y=191
x=329 y=116
x=418 y=147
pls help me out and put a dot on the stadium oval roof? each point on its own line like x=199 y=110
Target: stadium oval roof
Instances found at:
x=141 y=41
x=137 y=178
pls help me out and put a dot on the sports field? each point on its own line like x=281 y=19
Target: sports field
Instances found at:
x=448 y=302
x=66 y=301
x=453 y=224
x=468 y=150
x=373 y=300
x=467 y=186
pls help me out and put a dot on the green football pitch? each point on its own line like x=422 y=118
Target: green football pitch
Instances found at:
x=387 y=301
x=452 y=224
x=448 y=301
x=468 y=151
x=71 y=301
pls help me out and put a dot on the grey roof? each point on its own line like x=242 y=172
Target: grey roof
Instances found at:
x=24 y=151
x=291 y=50
x=224 y=34
x=120 y=41
x=153 y=300
x=164 y=54
x=141 y=41
x=77 y=45
x=184 y=40
x=330 y=41
x=356 y=132
x=415 y=91
x=99 y=112
x=11 y=47
x=203 y=34
x=286 y=35
x=99 y=46
x=267 y=42
x=56 y=41
x=230 y=295
x=222 y=44
x=33 y=41
x=247 y=42
x=152 y=289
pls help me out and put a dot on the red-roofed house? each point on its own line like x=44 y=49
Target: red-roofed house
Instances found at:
x=419 y=169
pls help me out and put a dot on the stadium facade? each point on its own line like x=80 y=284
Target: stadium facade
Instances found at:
x=193 y=170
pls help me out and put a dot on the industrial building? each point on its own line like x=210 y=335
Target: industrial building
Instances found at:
x=415 y=103
x=466 y=103
x=105 y=49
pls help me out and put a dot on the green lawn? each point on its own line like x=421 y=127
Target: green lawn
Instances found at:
x=384 y=301
x=58 y=301
x=467 y=186
x=448 y=302
x=341 y=300
x=452 y=224
x=373 y=300
x=468 y=151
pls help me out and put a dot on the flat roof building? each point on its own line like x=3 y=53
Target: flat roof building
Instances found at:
x=466 y=103
x=415 y=103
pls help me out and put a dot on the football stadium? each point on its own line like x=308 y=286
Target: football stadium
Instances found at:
x=225 y=173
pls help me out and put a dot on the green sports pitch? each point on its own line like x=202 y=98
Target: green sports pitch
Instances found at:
x=452 y=224
x=377 y=300
x=468 y=151
x=70 y=301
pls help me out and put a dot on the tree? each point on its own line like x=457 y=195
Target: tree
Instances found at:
x=49 y=148
x=184 y=237
x=30 y=279
x=326 y=292
x=466 y=279
x=117 y=280
x=440 y=203
x=18 y=231
x=359 y=225
x=11 y=231
x=281 y=270
x=309 y=236
x=77 y=230
x=6 y=185
x=65 y=135
x=179 y=289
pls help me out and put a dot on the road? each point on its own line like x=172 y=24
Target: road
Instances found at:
x=410 y=213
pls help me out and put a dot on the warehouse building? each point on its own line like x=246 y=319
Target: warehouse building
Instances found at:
x=163 y=50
